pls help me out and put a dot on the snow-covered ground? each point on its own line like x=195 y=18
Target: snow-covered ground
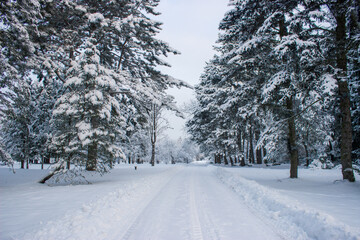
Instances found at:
x=196 y=201
x=317 y=205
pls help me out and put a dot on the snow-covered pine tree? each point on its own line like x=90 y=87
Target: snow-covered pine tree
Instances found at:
x=27 y=39
x=272 y=78
x=89 y=115
x=98 y=76
x=203 y=123
x=18 y=21
x=338 y=37
x=353 y=24
x=296 y=75
x=17 y=125
x=5 y=157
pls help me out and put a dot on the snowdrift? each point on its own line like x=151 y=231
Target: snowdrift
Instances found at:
x=292 y=219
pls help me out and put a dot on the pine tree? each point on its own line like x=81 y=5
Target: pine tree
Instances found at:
x=338 y=39
x=270 y=86
x=18 y=21
x=17 y=127
x=90 y=111
x=354 y=74
x=119 y=75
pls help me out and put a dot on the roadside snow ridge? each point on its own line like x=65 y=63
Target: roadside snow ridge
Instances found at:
x=293 y=219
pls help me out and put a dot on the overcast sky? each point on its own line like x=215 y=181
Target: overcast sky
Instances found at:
x=191 y=27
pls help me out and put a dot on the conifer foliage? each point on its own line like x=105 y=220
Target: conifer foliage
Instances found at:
x=276 y=73
x=90 y=70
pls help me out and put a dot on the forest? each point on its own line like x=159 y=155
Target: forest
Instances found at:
x=272 y=149
x=79 y=85
x=283 y=86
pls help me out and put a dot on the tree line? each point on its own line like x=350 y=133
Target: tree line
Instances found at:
x=283 y=86
x=79 y=82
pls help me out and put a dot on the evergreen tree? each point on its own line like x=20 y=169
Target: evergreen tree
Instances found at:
x=275 y=78
x=89 y=113
x=17 y=127
x=339 y=37
x=354 y=74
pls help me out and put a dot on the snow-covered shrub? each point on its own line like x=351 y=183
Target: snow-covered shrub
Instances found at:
x=321 y=163
x=68 y=177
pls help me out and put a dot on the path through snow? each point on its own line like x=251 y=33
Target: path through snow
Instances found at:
x=166 y=202
x=195 y=205
x=184 y=203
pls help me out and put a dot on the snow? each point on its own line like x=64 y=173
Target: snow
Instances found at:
x=274 y=82
x=95 y=17
x=80 y=8
x=329 y=84
x=286 y=212
x=196 y=201
x=90 y=69
x=73 y=81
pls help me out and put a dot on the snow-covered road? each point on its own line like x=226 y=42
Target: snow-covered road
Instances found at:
x=174 y=202
x=185 y=202
x=195 y=205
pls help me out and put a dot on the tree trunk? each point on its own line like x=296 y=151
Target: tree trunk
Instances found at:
x=332 y=156
x=92 y=157
x=344 y=94
x=239 y=139
x=68 y=163
x=56 y=170
x=243 y=142
x=91 y=163
x=294 y=161
x=263 y=152
x=251 y=150
x=247 y=152
x=152 y=154
x=231 y=161
x=306 y=154
x=346 y=132
x=258 y=150
x=218 y=157
x=225 y=159
x=242 y=161
x=258 y=156
x=153 y=132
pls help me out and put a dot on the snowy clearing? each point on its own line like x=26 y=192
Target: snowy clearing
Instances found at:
x=195 y=201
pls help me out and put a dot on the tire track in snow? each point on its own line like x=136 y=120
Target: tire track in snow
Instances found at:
x=194 y=218
x=208 y=225
x=140 y=215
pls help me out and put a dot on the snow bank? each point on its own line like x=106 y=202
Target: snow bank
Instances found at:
x=293 y=219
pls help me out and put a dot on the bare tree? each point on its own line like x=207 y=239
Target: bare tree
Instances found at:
x=157 y=125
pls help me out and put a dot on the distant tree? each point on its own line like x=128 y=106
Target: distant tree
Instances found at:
x=156 y=126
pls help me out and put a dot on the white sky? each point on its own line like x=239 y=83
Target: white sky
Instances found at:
x=191 y=27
